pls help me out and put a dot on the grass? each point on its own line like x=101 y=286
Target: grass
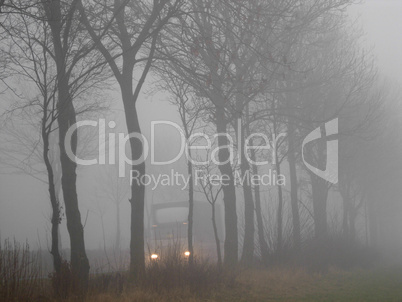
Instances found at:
x=20 y=272
x=281 y=284
x=171 y=279
x=298 y=285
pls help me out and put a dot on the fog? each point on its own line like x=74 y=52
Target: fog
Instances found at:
x=363 y=206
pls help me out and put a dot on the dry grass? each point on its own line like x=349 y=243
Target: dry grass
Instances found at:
x=280 y=284
x=173 y=279
x=173 y=271
x=20 y=272
x=146 y=295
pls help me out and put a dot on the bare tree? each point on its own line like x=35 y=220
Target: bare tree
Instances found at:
x=126 y=34
x=211 y=192
x=53 y=61
x=228 y=52
x=336 y=74
x=68 y=49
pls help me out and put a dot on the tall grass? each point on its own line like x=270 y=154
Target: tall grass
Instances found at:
x=169 y=278
x=20 y=272
x=172 y=270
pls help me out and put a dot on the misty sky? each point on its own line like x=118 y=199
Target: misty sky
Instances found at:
x=381 y=21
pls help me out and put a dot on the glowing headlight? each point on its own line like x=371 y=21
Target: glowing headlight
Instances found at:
x=154 y=256
x=187 y=254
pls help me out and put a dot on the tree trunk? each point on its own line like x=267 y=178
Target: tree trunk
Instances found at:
x=258 y=212
x=248 y=242
x=137 y=252
x=66 y=118
x=345 y=222
x=316 y=154
x=118 y=232
x=229 y=193
x=79 y=260
x=320 y=193
x=280 y=195
x=57 y=186
x=190 y=212
x=53 y=200
x=280 y=211
x=293 y=189
x=218 y=244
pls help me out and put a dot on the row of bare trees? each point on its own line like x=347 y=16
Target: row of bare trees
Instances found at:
x=233 y=67
x=67 y=50
x=284 y=67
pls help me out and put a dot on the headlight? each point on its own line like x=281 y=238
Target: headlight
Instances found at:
x=154 y=256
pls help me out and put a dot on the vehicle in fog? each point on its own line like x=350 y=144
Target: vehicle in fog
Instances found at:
x=169 y=225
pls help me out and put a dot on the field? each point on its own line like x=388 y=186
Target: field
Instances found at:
x=284 y=285
x=171 y=278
